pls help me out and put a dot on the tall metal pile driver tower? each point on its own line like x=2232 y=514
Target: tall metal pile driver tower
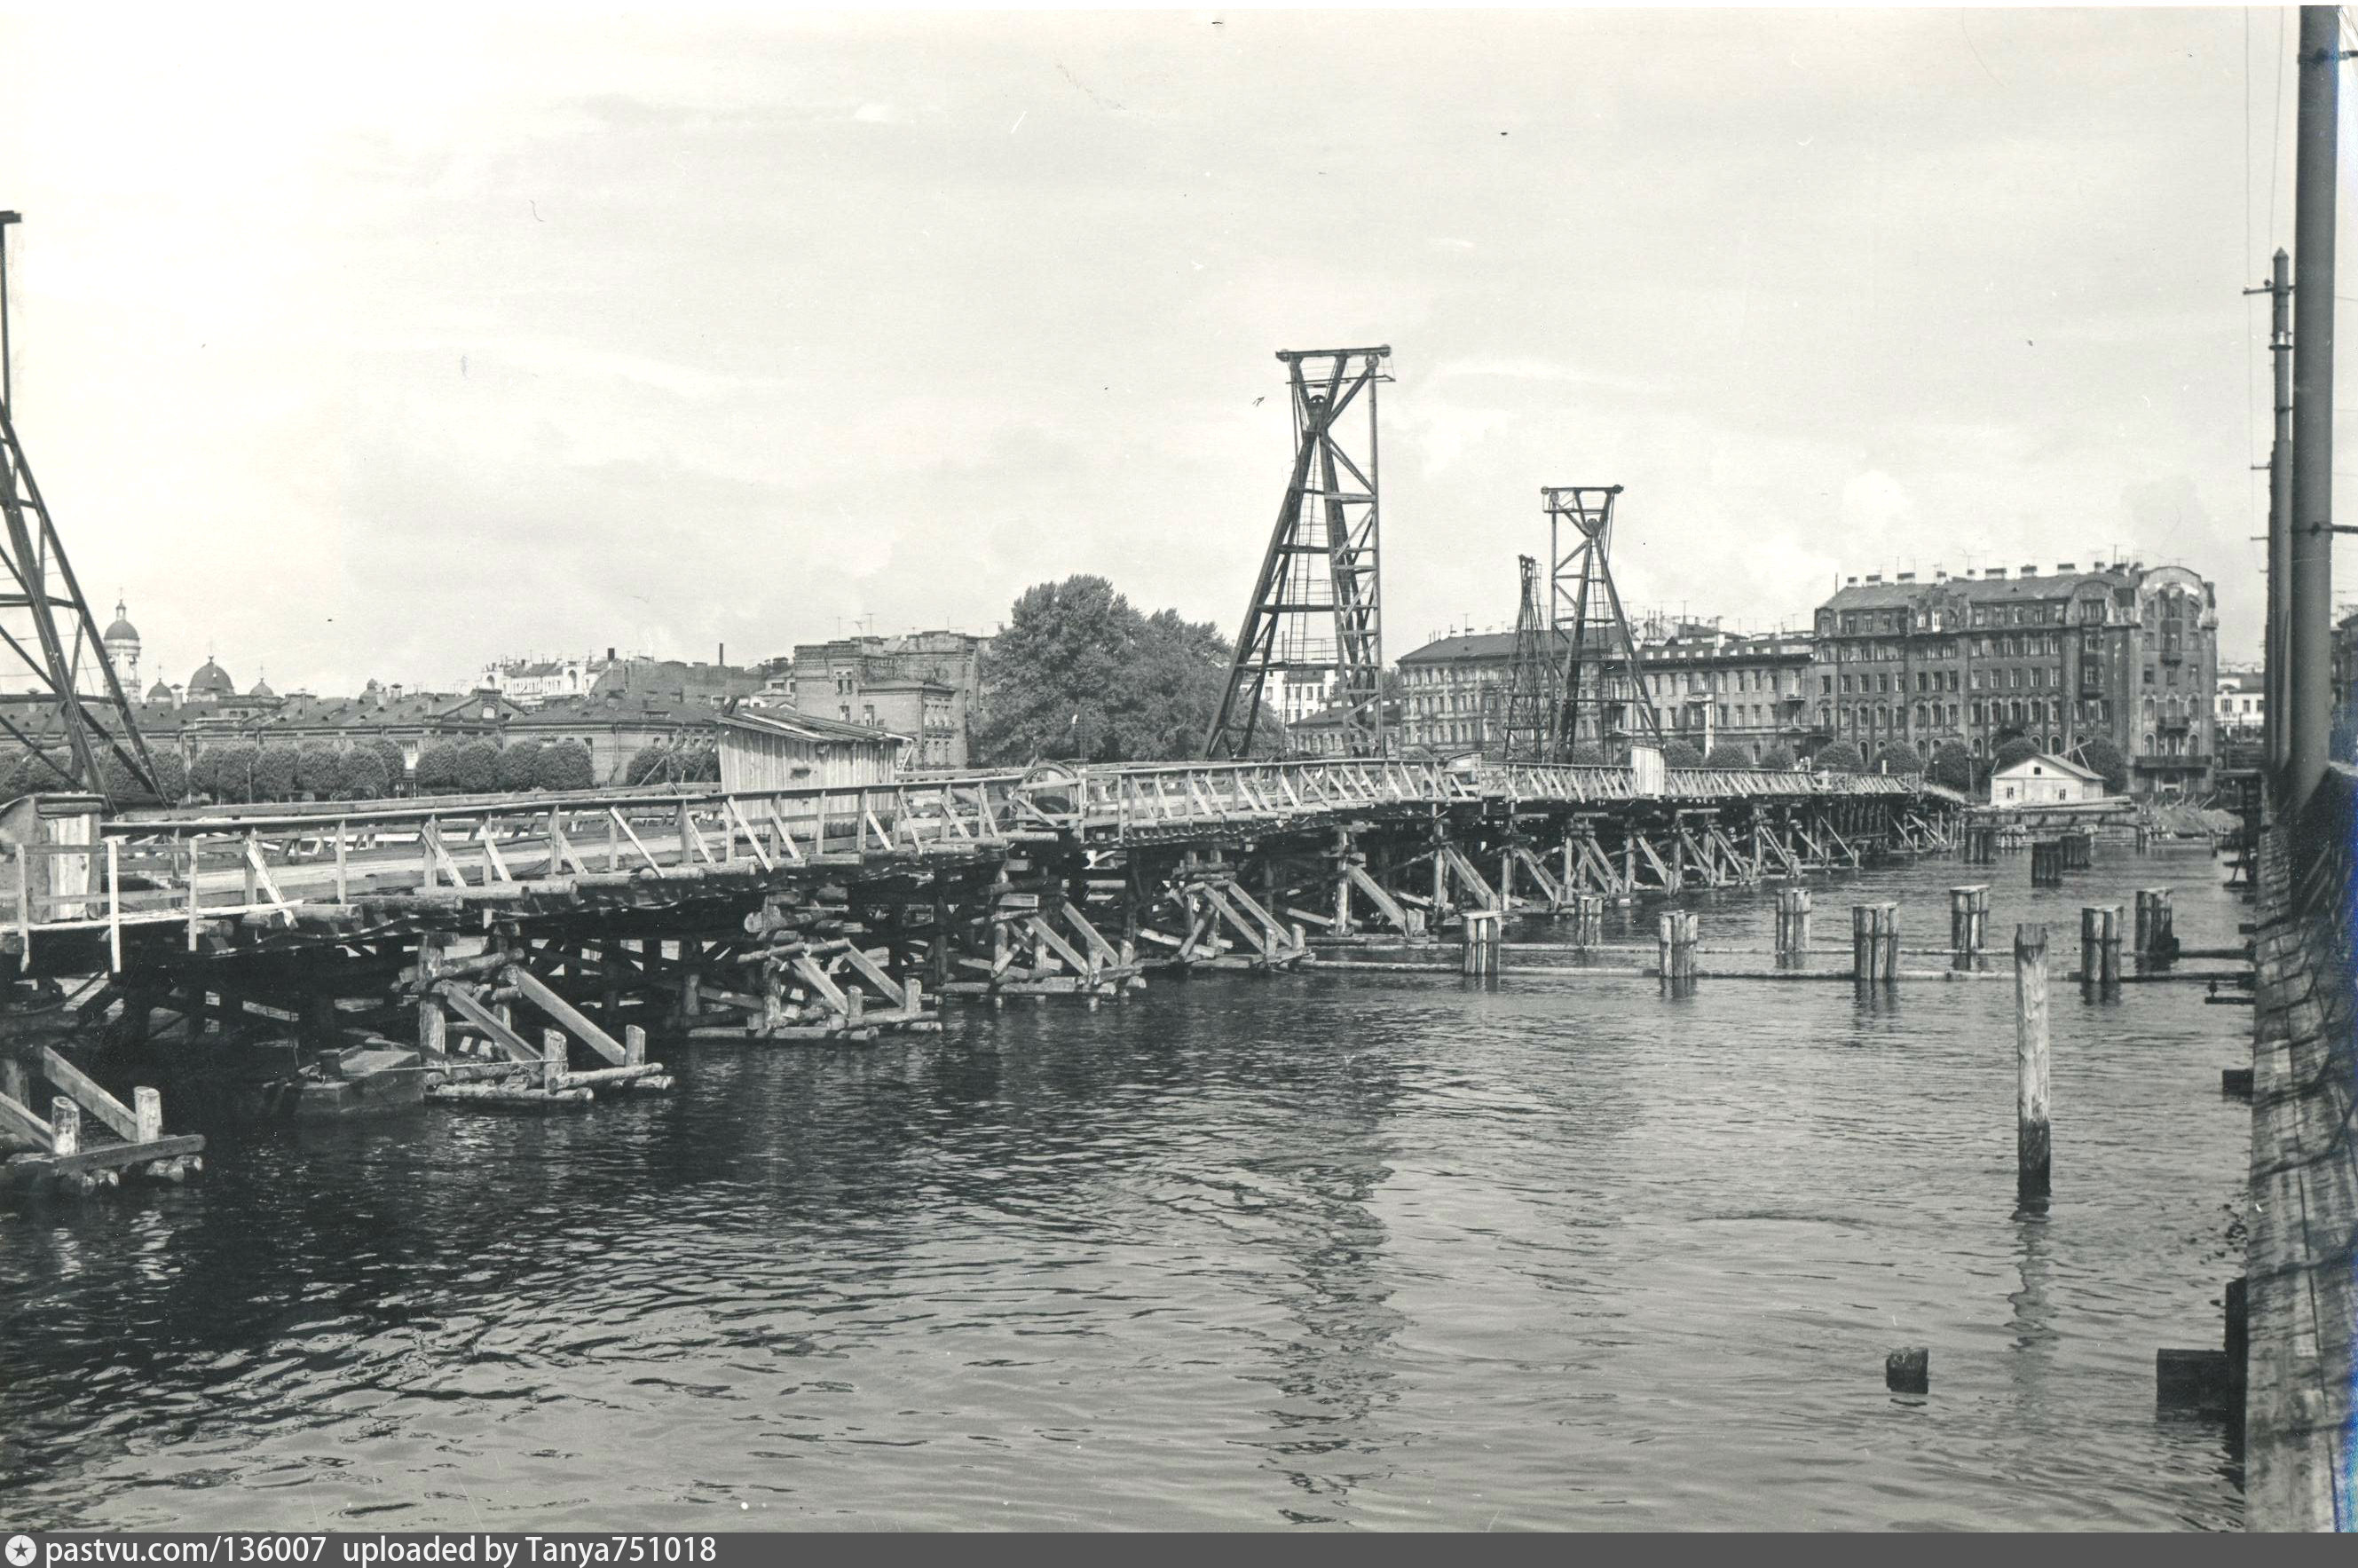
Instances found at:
x=1601 y=694
x=59 y=699
x=1532 y=696
x=1317 y=606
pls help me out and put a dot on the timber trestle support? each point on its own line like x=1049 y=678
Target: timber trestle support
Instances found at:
x=521 y=953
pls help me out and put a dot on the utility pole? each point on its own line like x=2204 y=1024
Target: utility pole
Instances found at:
x=2272 y=664
x=2309 y=602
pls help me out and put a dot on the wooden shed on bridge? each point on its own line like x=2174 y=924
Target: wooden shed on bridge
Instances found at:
x=774 y=749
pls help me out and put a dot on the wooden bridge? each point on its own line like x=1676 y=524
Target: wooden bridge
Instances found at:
x=502 y=939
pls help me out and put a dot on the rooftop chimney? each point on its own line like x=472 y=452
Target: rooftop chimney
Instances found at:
x=1907 y=576
x=1875 y=577
x=2067 y=568
x=1998 y=571
x=1940 y=574
x=2031 y=568
x=1852 y=582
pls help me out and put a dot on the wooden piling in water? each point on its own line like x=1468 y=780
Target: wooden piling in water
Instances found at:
x=1792 y=924
x=1478 y=944
x=2046 y=864
x=1679 y=933
x=1588 y=920
x=2032 y=1140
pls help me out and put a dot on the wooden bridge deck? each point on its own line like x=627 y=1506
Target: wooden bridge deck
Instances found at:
x=315 y=864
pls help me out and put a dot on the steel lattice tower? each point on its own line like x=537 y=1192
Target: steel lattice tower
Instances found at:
x=60 y=688
x=1533 y=701
x=1317 y=607
x=1601 y=688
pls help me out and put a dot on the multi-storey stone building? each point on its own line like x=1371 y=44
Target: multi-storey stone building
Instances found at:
x=923 y=685
x=1706 y=686
x=2128 y=653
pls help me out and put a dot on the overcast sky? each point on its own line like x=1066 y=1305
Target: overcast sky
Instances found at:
x=352 y=347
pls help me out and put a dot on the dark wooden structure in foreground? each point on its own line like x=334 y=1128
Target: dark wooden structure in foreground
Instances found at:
x=523 y=944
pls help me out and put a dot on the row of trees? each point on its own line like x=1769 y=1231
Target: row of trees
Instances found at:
x=241 y=773
x=674 y=764
x=478 y=767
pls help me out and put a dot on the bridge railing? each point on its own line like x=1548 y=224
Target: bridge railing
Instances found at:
x=268 y=863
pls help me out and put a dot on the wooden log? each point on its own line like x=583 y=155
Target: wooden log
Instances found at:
x=1887 y=942
x=119 y=1118
x=553 y=1054
x=2108 y=945
x=632 y=1073
x=536 y=991
x=522 y=1098
x=1909 y=1370
x=2033 y=1143
x=65 y=1127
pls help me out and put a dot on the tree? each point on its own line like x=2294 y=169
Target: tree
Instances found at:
x=1589 y=754
x=519 y=766
x=363 y=775
x=1778 y=759
x=1728 y=754
x=319 y=772
x=437 y=768
x=1081 y=674
x=1952 y=766
x=172 y=776
x=2101 y=756
x=396 y=767
x=699 y=764
x=2020 y=749
x=1677 y=753
x=1840 y=757
x=274 y=773
x=1898 y=757
x=649 y=764
x=226 y=772
x=475 y=769
x=565 y=765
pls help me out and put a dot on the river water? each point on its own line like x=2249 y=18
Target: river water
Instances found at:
x=1375 y=1250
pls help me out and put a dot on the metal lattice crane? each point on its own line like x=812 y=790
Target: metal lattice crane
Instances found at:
x=1601 y=690
x=58 y=687
x=1533 y=699
x=1317 y=606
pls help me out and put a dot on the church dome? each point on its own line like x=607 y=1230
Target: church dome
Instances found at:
x=260 y=688
x=121 y=631
x=160 y=694
x=211 y=681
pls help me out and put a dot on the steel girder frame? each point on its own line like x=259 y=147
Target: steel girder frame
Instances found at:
x=1323 y=563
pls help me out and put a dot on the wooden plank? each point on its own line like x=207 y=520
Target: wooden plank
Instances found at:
x=21 y=1120
x=536 y=991
x=85 y=1092
x=817 y=979
x=104 y=1157
x=1058 y=946
x=874 y=976
x=464 y=1000
x=492 y=857
x=753 y=839
x=615 y=820
x=437 y=858
x=562 y=855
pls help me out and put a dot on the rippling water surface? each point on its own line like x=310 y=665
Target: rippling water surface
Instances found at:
x=1372 y=1250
